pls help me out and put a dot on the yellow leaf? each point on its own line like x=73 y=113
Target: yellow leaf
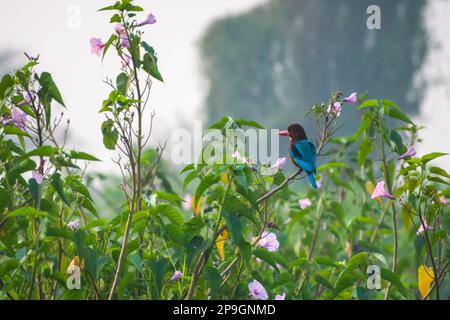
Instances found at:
x=224 y=178
x=425 y=279
x=76 y=262
x=406 y=218
x=196 y=210
x=370 y=189
x=220 y=243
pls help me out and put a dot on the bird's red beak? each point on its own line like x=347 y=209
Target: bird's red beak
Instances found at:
x=283 y=133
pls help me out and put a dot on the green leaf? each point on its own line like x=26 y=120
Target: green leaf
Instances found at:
x=439 y=171
x=59 y=233
x=397 y=114
x=174 y=216
x=43 y=151
x=234 y=224
x=151 y=67
x=394 y=279
x=108 y=43
x=170 y=197
x=431 y=156
x=365 y=148
x=110 y=134
x=27 y=211
x=272 y=258
x=115 y=18
x=35 y=190
x=438 y=180
x=248 y=123
x=10 y=130
x=207 y=182
x=57 y=183
x=122 y=83
x=223 y=123
x=46 y=81
x=82 y=156
x=213 y=278
x=326 y=261
x=350 y=274
x=159 y=268
x=175 y=233
x=368 y=104
x=6 y=83
x=245 y=251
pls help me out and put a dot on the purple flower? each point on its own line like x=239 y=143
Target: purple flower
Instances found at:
x=187 y=203
x=119 y=28
x=304 y=203
x=423 y=227
x=97 y=46
x=177 y=275
x=27 y=98
x=19 y=118
x=319 y=182
x=351 y=99
x=238 y=156
x=73 y=225
x=381 y=192
x=149 y=20
x=279 y=164
x=269 y=241
x=335 y=109
x=411 y=152
x=280 y=296
x=257 y=291
x=37 y=176
x=442 y=200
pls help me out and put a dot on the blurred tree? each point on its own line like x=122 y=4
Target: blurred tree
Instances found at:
x=272 y=63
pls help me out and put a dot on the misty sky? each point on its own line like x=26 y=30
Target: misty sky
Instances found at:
x=49 y=28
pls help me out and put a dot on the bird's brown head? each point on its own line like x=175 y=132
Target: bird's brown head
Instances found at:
x=295 y=132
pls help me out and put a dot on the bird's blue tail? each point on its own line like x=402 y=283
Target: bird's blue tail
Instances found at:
x=312 y=180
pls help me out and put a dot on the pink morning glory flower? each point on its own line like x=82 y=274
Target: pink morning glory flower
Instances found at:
x=37 y=176
x=97 y=46
x=381 y=192
x=442 y=200
x=269 y=241
x=411 y=152
x=149 y=20
x=257 y=291
x=423 y=227
x=187 y=203
x=335 y=109
x=27 y=98
x=19 y=118
x=120 y=29
x=177 y=275
x=351 y=99
x=304 y=203
x=73 y=225
x=280 y=296
x=238 y=156
x=279 y=164
x=319 y=182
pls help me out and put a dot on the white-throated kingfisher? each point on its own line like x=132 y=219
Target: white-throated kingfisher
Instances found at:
x=302 y=151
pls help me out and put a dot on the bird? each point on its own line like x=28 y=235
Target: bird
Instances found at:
x=302 y=151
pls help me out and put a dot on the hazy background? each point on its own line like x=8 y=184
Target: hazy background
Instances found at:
x=266 y=60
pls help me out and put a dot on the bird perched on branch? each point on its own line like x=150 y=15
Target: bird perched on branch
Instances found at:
x=302 y=151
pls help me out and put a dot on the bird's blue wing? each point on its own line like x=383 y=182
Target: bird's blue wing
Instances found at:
x=307 y=159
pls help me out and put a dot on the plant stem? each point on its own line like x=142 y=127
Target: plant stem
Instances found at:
x=394 y=212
